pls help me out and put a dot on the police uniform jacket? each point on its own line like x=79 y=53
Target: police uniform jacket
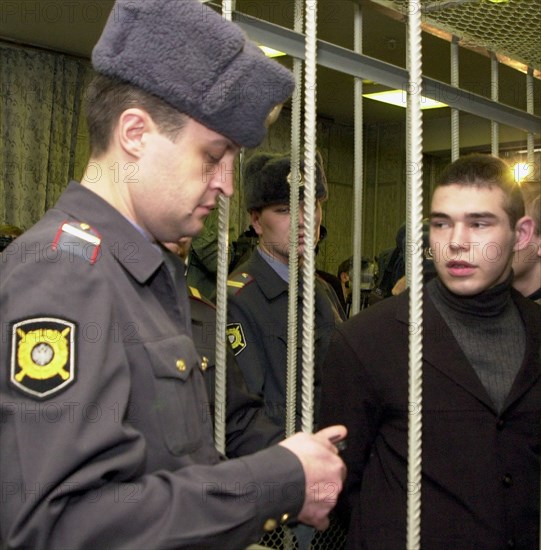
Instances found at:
x=258 y=312
x=480 y=484
x=247 y=427
x=106 y=438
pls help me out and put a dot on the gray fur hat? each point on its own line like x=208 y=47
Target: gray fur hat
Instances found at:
x=185 y=53
x=266 y=181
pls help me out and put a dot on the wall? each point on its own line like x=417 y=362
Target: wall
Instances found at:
x=384 y=204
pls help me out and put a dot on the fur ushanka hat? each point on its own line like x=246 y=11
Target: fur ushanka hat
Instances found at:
x=267 y=181
x=185 y=53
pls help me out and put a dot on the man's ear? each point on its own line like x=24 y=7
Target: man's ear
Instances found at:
x=254 y=220
x=132 y=125
x=524 y=230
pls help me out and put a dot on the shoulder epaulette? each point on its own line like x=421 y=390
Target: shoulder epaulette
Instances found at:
x=194 y=294
x=237 y=282
x=78 y=239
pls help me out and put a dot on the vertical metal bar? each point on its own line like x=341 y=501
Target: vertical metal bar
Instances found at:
x=292 y=323
x=358 y=168
x=221 y=303
x=530 y=136
x=414 y=245
x=308 y=300
x=455 y=113
x=494 y=89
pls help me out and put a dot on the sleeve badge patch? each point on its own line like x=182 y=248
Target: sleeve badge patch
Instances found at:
x=235 y=336
x=42 y=356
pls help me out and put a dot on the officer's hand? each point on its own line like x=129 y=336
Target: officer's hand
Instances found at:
x=324 y=472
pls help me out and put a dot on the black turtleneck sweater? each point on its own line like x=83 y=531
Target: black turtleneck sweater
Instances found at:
x=490 y=332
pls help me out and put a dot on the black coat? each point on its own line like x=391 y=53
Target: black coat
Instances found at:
x=480 y=485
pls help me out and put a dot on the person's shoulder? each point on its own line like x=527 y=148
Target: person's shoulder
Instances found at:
x=328 y=285
x=202 y=309
x=327 y=278
x=376 y=317
x=238 y=282
x=55 y=239
x=527 y=306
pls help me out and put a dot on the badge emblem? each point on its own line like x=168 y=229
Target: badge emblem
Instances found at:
x=236 y=338
x=42 y=356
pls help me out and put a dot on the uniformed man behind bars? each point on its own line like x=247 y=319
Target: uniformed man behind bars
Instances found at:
x=258 y=289
x=106 y=441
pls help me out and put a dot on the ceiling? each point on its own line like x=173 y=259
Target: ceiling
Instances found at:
x=73 y=26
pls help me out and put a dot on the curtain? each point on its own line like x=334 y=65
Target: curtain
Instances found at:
x=43 y=138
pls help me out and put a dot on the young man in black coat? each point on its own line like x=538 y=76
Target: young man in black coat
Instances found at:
x=481 y=383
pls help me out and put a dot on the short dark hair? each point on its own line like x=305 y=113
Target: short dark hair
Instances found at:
x=487 y=171
x=345 y=267
x=107 y=98
x=8 y=233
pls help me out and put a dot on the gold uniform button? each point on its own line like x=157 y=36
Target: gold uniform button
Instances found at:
x=204 y=363
x=284 y=518
x=181 y=365
x=270 y=525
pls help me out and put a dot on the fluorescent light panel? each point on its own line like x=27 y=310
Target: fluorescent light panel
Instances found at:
x=399 y=98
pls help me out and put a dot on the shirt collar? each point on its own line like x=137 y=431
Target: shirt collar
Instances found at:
x=281 y=269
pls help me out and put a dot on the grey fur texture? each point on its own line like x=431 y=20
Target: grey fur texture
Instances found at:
x=185 y=53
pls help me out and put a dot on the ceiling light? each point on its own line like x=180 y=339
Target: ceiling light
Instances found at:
x=399 y=98
x=522 y=170
x=270 y=52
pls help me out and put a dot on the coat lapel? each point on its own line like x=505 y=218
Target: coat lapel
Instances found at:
x=441 y=351
x=530 y=370
x=268 y=280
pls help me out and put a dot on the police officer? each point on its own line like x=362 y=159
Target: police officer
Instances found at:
x=247 y=427
x=258 y=289
x=103 y=441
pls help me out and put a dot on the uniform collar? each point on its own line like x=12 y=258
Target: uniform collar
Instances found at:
x=268 y=279
x=281 y=269
x=131 y=249
x=270 y=283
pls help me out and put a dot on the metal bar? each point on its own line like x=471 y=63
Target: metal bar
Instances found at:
x=309 y=259
x=414 y=277
x=293 y=296
x=494 y=91
x=221 y=302
x=455 y=113
x=358 y=172
x=358 y=65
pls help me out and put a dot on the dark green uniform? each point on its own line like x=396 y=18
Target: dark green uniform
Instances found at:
x=257 y=309
x=247 y=427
